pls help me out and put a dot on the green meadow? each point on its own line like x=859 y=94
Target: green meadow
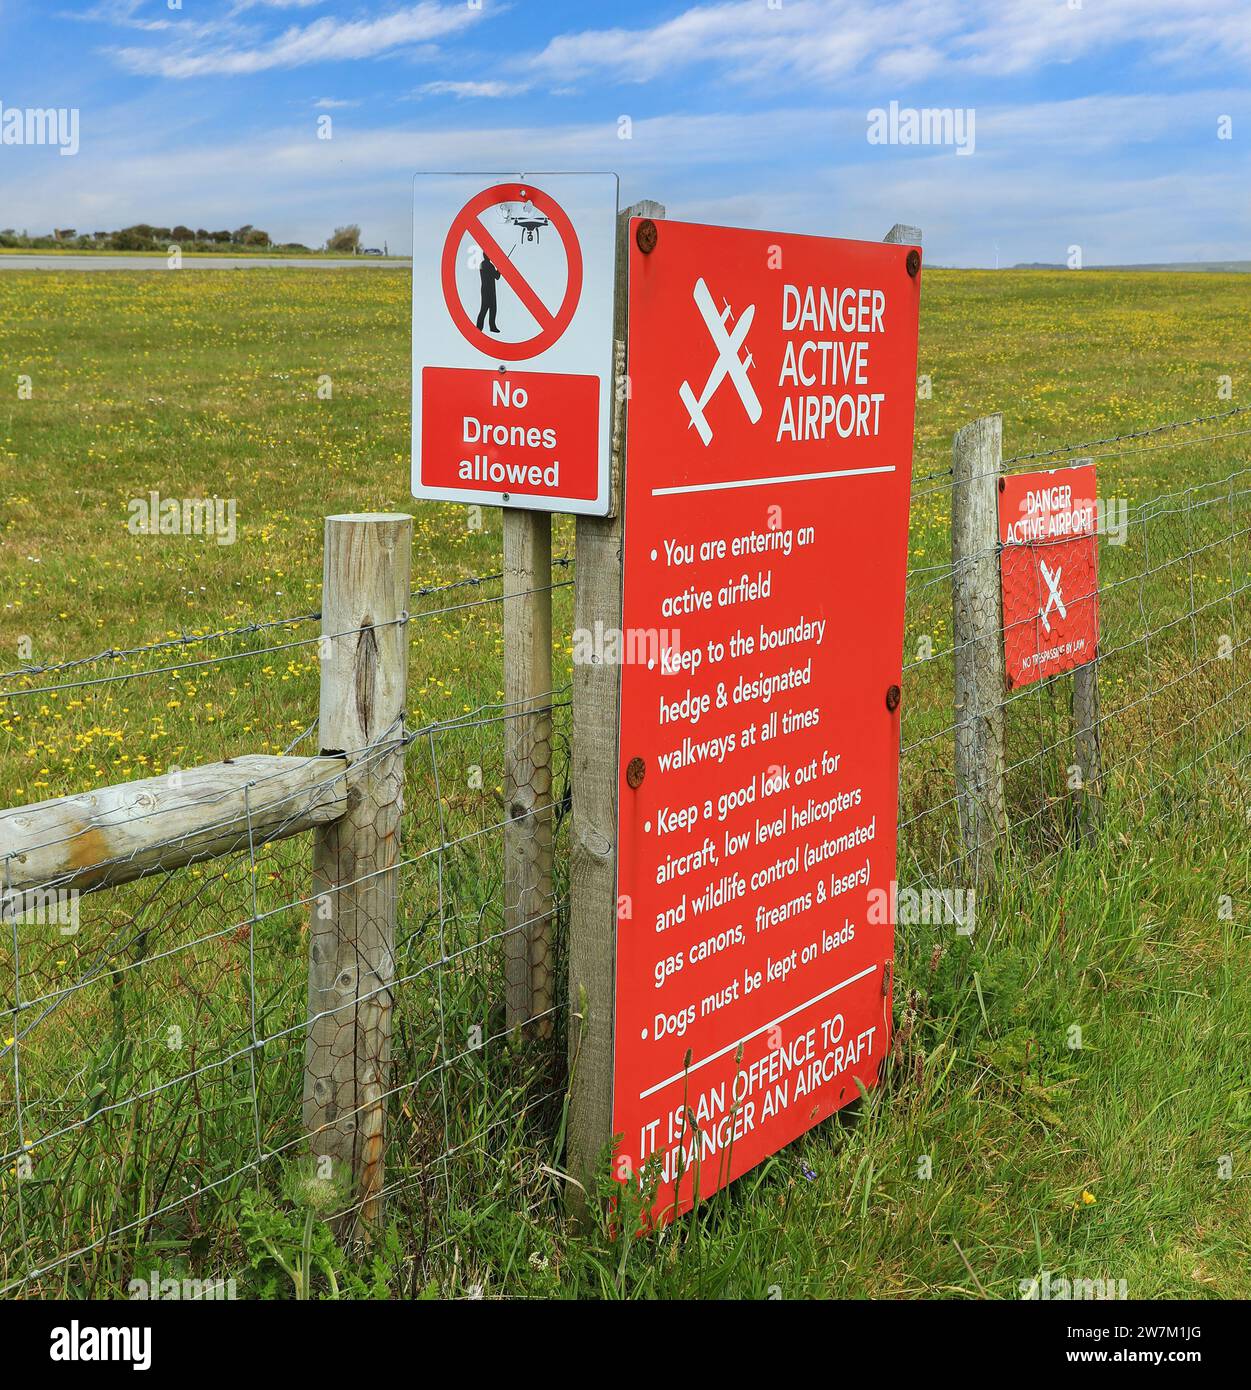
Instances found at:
x=997 y=1149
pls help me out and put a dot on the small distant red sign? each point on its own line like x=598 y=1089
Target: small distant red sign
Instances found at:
x=1049 y=566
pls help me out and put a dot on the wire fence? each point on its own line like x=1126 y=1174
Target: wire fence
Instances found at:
x=1172 y=584
x=153 y=1032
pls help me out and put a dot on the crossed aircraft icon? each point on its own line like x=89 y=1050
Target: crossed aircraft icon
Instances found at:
x=728 y=363
x=1054 y=598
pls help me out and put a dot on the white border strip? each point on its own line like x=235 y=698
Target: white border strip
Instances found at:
x=762 y=482
x=764 y=1028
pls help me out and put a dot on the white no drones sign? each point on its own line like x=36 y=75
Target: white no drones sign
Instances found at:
x=513 y=280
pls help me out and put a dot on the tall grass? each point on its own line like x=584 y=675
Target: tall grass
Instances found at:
x=1098 y=1160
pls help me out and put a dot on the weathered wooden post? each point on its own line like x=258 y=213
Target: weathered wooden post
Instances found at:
x=1088 y=737
x=593 y=853
x=364 y=679
x=903 y=234
x=977 y=624
x=529 y=952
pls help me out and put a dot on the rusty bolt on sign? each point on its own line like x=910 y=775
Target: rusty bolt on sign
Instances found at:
x=913 y=262
x=635 y=772
x=893 y=697
x=646 y=236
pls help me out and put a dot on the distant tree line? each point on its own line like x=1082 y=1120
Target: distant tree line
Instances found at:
x=144 y=237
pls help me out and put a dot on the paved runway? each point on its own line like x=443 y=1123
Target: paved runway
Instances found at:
x=123 y=262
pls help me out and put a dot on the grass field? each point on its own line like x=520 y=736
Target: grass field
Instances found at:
x=228 y=251
x=1098 y=1162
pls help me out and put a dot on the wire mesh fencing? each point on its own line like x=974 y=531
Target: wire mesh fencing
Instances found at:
x=153 y=1033
x=1173 y=704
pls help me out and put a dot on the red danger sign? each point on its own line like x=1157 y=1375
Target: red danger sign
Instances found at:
x=513 y=373
x=1049 y=566
x=769 y=437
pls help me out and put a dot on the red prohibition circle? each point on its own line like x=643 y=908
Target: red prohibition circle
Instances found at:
x=467 y=222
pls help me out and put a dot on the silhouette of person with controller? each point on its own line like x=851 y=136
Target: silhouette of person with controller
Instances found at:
x=488 y=275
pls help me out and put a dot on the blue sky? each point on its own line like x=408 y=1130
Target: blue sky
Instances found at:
x=1096 y=121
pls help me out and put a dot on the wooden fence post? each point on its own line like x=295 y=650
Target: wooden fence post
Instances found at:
x=903 y=233
x=351 y=972
x=1088 y=737
x=593 y=853
x=977 y=623
x=529 y=954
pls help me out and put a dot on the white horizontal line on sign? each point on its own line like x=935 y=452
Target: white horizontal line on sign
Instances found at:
x=761 y=482
x=764 y=1027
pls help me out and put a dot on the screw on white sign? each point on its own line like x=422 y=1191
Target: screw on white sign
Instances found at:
x=728 y=363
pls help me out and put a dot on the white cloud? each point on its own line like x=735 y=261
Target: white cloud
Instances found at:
x=1089 y=125
x=902 y=40
x=744 y=34
x=1019 y=35
x=473 y=89
x=325 y=40
x=1044 y=177
x=815 y=42
x=122 y=14
x=241 y=5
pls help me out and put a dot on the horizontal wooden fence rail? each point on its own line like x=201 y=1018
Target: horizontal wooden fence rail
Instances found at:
x=117 y=834
x=350 y=797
